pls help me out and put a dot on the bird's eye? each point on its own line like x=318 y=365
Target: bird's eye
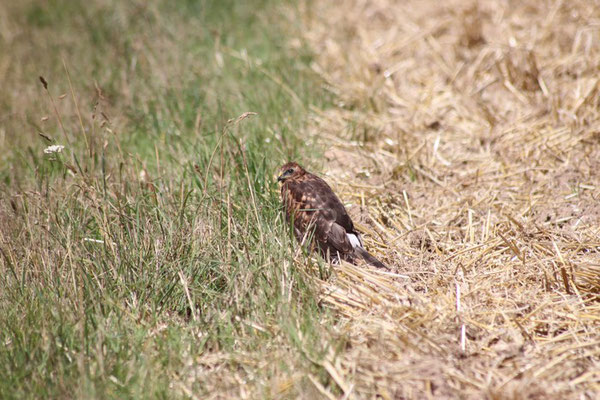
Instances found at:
x=290 y=171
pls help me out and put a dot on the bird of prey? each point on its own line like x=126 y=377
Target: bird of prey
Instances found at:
x=320 y=217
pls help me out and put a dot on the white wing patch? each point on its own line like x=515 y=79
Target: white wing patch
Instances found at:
x=354 y=240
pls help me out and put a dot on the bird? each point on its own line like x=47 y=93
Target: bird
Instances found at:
x=319 y=217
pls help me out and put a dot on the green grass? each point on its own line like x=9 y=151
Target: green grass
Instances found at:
x=149 y=259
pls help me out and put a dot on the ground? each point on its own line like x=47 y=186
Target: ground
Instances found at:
x=149 y=256
x=465 y=138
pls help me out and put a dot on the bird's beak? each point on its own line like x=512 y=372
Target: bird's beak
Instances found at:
x=280 y=178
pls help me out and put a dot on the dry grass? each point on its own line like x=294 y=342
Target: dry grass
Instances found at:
x=149 y=259
x=467 y=137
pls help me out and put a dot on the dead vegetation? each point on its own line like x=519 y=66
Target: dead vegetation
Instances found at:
x=466 y=135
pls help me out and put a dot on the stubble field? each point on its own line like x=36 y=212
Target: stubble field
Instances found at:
x=149 y=257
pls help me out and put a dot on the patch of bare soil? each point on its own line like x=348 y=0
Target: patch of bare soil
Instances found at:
x=466 y=137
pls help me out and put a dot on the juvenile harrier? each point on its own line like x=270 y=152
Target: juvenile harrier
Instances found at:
x=318 y=213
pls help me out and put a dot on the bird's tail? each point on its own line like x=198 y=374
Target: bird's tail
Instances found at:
x=369 y=258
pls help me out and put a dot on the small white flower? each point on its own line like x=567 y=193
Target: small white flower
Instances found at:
x=93 y=240
x=55 y=148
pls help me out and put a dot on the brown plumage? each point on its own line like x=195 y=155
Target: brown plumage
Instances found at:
x=319 y=216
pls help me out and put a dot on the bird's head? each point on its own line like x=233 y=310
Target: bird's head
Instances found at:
x=290 y=170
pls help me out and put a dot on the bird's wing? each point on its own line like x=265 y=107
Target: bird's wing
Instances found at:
x=326 y=201
x=317 y=204
x=316 y=210
x=337 y=237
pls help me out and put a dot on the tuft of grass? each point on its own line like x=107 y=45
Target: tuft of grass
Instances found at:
x=148 y=258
